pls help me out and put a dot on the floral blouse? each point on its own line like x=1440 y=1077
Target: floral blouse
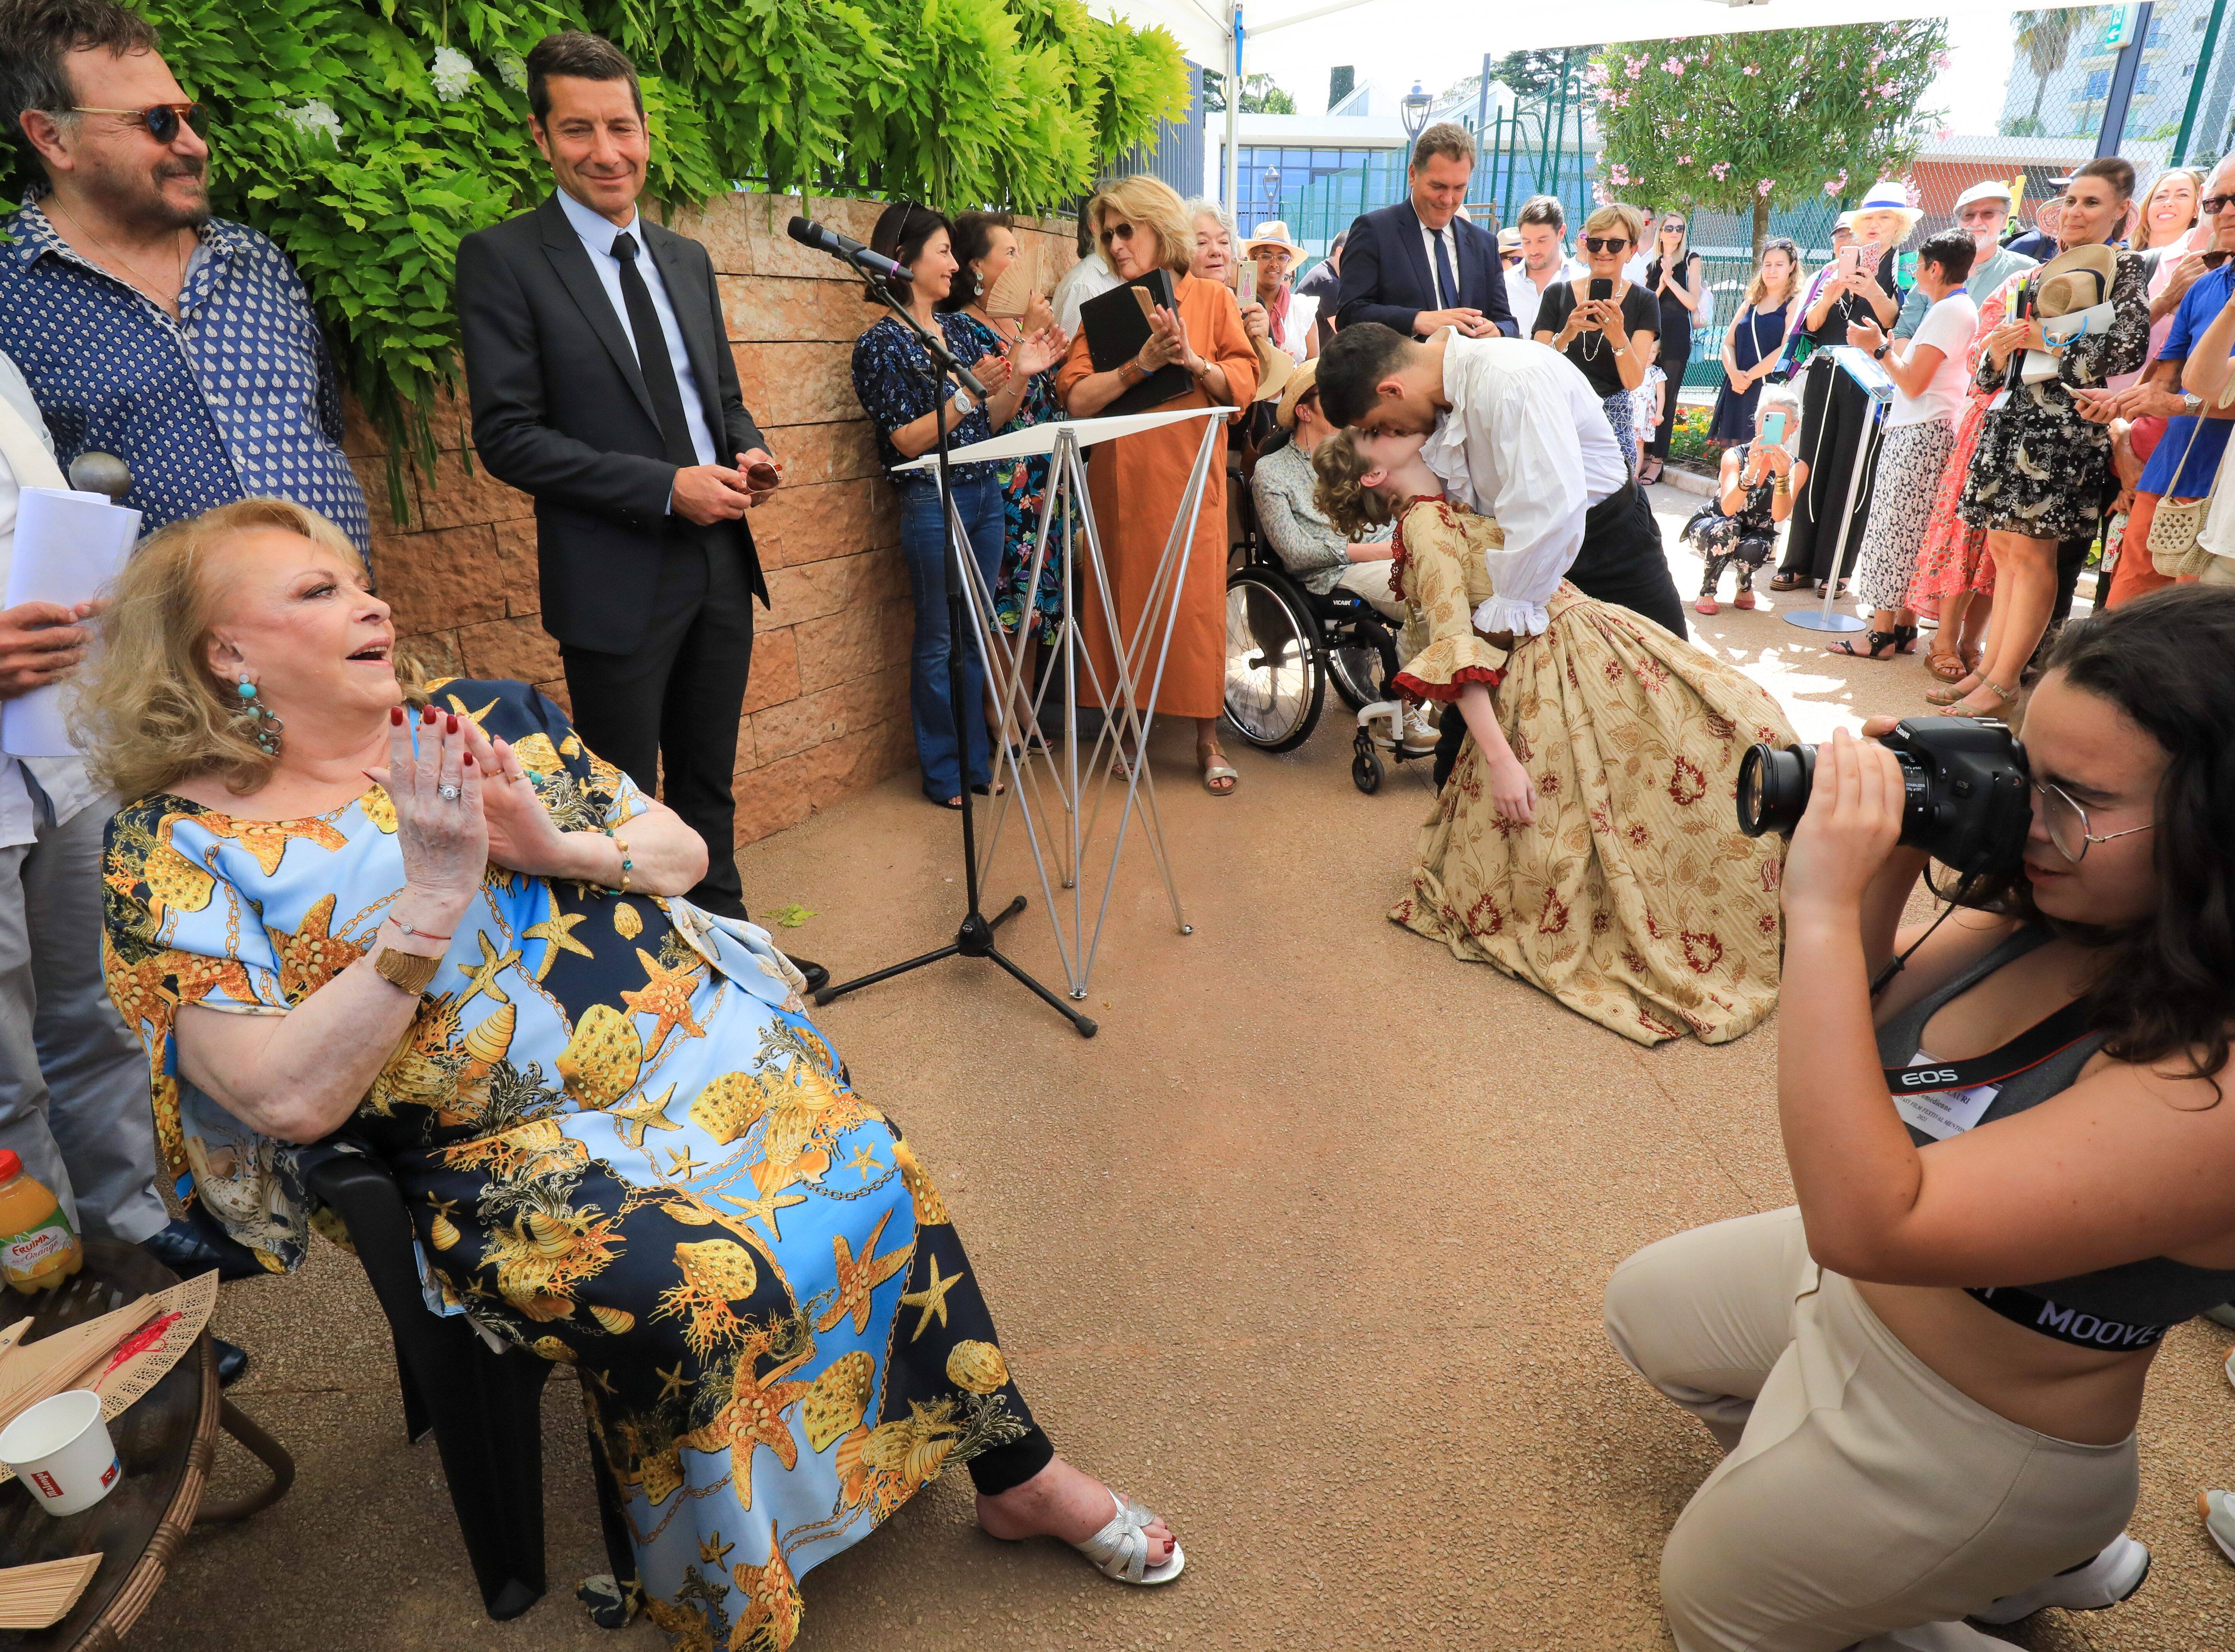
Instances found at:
x=2090 y=359
x=1440 y=574
x=894 y=381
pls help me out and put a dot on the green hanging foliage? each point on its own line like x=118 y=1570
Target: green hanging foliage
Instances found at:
x=367 y=137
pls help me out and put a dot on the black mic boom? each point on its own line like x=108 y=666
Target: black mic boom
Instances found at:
x=808 y=232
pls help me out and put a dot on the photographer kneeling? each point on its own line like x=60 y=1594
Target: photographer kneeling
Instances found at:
x=1926 y=1375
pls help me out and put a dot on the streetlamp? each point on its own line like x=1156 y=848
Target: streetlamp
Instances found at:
x=1414 y=110
x=1272 y=191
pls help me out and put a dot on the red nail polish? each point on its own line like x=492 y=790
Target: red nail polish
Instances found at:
x=430 y=717
x=450 y=725
x=469 y=760
x=396 y=717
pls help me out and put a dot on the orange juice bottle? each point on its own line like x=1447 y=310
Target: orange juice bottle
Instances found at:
x=37 y=1248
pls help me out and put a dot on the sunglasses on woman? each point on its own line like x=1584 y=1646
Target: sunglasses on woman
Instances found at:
x=2066 y=822
x=161 y=119
x=1603 y=245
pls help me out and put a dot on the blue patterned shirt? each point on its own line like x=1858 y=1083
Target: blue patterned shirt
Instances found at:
x=892 y=378
x=236 y=398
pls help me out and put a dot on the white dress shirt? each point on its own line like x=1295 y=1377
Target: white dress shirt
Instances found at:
x=597 y=234
x=1522 y=295
x=1088 y=278
x=1526 y=441
x=63 y=782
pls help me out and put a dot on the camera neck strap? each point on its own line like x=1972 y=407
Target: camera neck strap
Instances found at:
x=2029 y=1049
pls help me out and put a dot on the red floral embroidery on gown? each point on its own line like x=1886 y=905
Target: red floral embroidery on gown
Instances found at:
x=1633 y=898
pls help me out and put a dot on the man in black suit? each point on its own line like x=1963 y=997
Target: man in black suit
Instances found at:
x=1418 y=265
x=602 y=385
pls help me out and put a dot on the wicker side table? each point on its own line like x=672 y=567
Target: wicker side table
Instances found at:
x=166 y=1441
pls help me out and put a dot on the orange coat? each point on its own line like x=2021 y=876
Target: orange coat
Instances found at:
x=1136 y=481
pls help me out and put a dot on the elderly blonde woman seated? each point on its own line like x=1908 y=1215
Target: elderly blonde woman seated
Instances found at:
x=340 y=896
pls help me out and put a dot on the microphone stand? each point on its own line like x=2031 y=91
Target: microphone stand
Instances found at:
x=974 y=938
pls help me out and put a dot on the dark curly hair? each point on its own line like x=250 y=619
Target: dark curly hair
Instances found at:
x=2168 y=988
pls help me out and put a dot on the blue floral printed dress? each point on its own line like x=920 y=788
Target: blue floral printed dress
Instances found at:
x=624 y=1145
x=1024 y=483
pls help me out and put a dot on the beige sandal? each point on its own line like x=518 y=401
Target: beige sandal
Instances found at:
x=1215 y=771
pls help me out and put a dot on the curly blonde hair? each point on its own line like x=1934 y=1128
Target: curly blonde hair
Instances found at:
x=1341 y=493
x=149 y=711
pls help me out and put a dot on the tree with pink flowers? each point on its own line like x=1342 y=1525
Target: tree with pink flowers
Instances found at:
x=1745 y=123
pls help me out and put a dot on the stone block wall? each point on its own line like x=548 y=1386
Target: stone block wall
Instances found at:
x=826 y=713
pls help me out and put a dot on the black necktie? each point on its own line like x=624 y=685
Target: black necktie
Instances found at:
x=1449 y=295
x=652 y=357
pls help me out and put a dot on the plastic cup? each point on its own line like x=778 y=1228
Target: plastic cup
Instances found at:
x=61 y=1449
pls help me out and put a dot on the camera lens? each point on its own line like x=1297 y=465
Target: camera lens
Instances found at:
x=1774 y=787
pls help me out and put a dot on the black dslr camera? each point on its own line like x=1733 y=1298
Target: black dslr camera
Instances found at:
x=1967 y=803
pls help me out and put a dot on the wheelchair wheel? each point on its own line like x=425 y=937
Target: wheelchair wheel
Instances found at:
x=1276 y=683
x=1365 y=763
x=1356 y=674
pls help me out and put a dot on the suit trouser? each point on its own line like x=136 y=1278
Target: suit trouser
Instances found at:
x=1861 y=1494
x=74 y=1102
x=673 y=703
x=1622 y=561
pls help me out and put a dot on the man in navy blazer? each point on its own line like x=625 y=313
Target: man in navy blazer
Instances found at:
x=1418 y=265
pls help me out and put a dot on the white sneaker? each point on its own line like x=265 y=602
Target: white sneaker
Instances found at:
x=2218 y=1509
x=2112 y=1577
x=1420 y=734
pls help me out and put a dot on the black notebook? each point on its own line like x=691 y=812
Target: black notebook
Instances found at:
x=1116 y=328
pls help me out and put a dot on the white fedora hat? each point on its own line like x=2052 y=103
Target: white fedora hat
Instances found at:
x=1985 y=189
x=1888 y=195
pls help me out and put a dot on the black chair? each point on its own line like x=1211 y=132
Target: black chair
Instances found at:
x=483 y=1407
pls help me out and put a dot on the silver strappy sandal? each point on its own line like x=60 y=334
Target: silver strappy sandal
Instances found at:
x=1120 y=1549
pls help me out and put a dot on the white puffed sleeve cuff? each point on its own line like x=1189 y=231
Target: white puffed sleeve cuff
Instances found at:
x=1500 y=614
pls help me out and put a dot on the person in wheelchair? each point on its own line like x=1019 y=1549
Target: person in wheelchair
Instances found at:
x=1316 y=556
x=1586 y=841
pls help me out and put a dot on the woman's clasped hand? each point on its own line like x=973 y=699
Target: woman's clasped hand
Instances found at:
x=436 y=790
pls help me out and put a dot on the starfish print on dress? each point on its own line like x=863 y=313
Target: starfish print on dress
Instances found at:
x=932 y=1299
x=559 y=930
x=666 y=996
x=648 y=1112
x=865 y=1160
x=313 y=955
x=484 y=974
x=267 y=839
x=753 y=1417
x=764 y=1209
x=479 y=718
x=771 y=1598
x=713 y=1552
x=857 y=1279
x=672 y=1383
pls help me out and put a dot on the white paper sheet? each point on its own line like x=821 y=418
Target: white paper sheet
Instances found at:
x=69 y=545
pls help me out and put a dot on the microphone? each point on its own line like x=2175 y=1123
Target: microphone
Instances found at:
x=808 y=232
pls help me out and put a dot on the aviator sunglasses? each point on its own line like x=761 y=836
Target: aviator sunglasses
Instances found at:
x=161 y=119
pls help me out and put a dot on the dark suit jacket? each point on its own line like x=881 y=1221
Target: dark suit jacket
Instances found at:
x=561 y=413
x=1386 y=278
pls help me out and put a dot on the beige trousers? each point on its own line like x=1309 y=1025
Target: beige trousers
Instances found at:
x=1861 y=1494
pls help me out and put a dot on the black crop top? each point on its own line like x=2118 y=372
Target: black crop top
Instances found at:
x=1591 y=351
x=2130 y=1305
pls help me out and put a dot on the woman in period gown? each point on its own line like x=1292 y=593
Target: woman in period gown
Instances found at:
x=1137 y=481
x=623 y=1144
x=1621 y=884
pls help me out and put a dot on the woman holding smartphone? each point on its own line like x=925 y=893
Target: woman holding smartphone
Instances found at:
x=1606 y=324
x=2012 y=1167
x=1859 y=284
x=1752 y=498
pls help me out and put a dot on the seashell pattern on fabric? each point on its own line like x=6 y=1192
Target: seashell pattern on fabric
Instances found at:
x=600 y=1062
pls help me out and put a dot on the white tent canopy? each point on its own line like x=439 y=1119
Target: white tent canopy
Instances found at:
x=1217 y=32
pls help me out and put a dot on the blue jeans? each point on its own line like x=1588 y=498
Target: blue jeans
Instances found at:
x=923 y=540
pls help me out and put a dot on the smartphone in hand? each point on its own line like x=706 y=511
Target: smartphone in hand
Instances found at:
x=1600 y=290
x=1773 y=430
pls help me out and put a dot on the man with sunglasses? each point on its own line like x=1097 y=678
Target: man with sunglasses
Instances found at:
x=182 y=343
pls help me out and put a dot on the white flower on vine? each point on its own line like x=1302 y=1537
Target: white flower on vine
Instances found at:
x=316 y=117
x=452 y=72
x=511 y=68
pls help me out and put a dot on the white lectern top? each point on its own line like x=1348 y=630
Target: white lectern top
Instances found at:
x=1039 y=439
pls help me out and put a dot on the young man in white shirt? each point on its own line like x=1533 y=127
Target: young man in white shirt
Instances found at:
x=1543 y=227
x=1515 y=432
x=1930 y=375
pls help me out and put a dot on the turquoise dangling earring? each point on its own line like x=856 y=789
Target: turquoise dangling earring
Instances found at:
x=264 y=728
